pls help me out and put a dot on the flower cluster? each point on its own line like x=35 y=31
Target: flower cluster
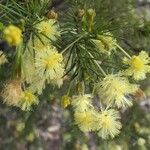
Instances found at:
x=106 y=122
x=84 y=113
x=13 y=95
x=48 y=61
x=41 y=63
x=114 y=91
x=84 y=52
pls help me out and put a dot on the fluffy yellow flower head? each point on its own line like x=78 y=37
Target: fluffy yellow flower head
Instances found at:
x=13 y=35
x=65 y=101
x=82 y=103
x=109 y=124
x=49 y=64
x=27 y=99
x=49 y=28
x=11 y=93
x=3 y=58
x=85 y=120
x=141 y=141
x=105 y=43
x=138 y=66
x=20 y=125
x=115 y=89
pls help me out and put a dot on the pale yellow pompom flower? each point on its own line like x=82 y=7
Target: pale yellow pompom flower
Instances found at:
x=108 y=123
x=115 y=90
x=3 y=58
x=82 y=103
x=138 y=66
x=27 y=100
x=49 y=28
x=11 y=92
x=49 y=63
x=85 y=120
x=13 y=35
x=105 y=43
x=65 y=101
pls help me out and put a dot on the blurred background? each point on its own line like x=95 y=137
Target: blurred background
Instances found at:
x=50 y=127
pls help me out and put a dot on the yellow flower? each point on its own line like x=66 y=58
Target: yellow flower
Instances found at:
x=11 y=93
x=30 y=137
x=3 y=58
x=65 y=101
x=49 y=64
x=109 y=124
x=105 y=43
x=115 y=90
x=13 y=35
x=141 y=141
x=138 y=66
x=27 y=99
x=49 y=28
x=20 y=125
x=85 y=120
x=82 y=103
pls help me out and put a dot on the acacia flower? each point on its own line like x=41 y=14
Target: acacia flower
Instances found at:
x=65 y=101
x=109 y=124
x=105 y=43
x=11 y=92
x=48 y=28
x=13 y=35
x=27 y=100
x=85 y=120
x=3 y=58
x=82 y=103
x=49 y=64
x=138 y=66
x=115 y=90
